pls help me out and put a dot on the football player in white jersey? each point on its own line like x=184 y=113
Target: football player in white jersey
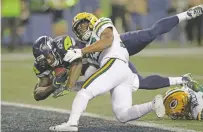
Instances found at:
x=184 y=103
x=107 y=50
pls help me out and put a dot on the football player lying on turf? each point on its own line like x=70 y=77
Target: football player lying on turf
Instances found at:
x=134 y=41
x=184 y=103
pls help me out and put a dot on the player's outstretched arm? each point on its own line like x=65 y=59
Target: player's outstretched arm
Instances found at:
x=106 y=40
x=74 y=74
x=43 y=89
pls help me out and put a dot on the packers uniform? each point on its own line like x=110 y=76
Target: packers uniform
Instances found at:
x=196 y=103
x=184 y=103
x=117 y=50
x=113 y=74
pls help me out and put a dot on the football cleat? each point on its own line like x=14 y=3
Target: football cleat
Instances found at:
x=64 y=127
x=187 y=78
x=195 y=11
x=158 y=106
x=189 y=82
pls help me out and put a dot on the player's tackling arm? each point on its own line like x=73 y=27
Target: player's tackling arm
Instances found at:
x=106 y=40
x=43 y=89
x=74 y=73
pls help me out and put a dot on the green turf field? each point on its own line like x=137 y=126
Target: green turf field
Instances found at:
x=18 y=81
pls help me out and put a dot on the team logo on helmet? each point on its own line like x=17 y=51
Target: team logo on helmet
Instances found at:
x=173 y=104
x=176 y=103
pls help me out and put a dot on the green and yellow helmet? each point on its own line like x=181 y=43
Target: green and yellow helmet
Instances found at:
x=83 y=18
x=176 y=102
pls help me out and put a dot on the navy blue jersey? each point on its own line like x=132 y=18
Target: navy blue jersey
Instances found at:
x=41 y=71
x=61 y=44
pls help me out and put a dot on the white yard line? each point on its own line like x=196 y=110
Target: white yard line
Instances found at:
x=178 y=52
x=63 y=111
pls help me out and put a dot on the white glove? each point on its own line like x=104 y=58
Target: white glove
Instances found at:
x=72 y=55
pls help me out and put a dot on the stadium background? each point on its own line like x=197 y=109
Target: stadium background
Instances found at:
x=40 y=19
x=169 y=55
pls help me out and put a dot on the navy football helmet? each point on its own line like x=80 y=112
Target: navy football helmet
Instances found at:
x=44 y=53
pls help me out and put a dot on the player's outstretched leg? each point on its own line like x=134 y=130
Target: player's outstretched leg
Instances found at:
x=138 y=111
x=155 y=81
x=124 y=111
x=135 y=41
x=95 y=86
x=79 y=105
x=191 y=13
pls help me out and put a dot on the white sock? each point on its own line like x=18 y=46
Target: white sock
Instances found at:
x=183 y=16
x=175 y=80
x=136 y=111
x=79 y=105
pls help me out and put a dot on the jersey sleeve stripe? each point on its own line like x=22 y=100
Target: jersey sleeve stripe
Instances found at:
x=103 y=69
x=99 y=25
x=67 y=43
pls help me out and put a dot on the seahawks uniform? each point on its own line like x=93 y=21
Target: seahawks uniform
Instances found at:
x=61 y=44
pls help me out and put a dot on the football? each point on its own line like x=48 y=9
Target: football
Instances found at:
x=59 y=71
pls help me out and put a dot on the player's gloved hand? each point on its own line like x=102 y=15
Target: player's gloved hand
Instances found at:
x=72 y=55
x=58 y=81
x=60 y=92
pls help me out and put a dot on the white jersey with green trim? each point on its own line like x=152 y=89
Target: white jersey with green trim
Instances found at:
x=196 y=103
x=117 y=50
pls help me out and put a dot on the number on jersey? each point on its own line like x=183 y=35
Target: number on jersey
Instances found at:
x=67 y=43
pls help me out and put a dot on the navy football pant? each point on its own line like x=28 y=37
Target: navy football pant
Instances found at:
x=136 y=41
